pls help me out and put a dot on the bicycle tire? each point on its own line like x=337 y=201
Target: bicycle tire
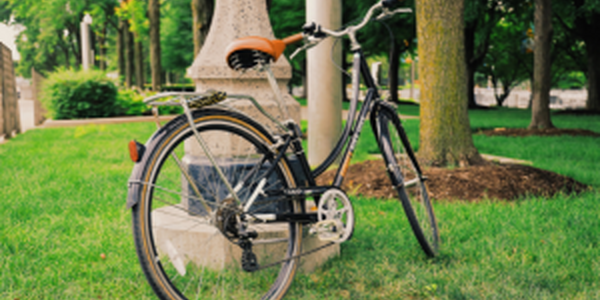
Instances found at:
x=173 y=240
x=408 y=180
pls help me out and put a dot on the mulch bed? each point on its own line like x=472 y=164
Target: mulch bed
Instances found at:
x=491 y=181
x=538 y=132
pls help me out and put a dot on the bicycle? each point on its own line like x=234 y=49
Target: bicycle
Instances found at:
x=220 y=204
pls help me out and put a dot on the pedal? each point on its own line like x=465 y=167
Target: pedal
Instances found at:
x=328 y=230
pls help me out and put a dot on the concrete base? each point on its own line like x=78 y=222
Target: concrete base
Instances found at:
x=189 y=239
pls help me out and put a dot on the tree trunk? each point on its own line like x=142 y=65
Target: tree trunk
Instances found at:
x=202 y=11
x=155 y=64
x=540 y=107
x=120 y=51
x=393 y=72
x=139 y=63
x=445 y=134
x=593 y=57
x=93 y=47
x=102 y=48
x=469 y=53
x=75 y=45
x=129 y=57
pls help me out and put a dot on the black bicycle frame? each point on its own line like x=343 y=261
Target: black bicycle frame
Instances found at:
x=351 y=133
x=352 y=129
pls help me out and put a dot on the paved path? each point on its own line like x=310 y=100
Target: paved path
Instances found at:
x=98 y=121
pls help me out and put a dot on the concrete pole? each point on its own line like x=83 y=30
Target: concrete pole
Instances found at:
x=324 y=82
x=85 y=42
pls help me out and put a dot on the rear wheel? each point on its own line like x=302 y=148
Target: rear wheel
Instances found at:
x=188 y=229
x=407 y=178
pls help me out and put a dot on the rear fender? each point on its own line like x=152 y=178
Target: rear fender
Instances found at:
x=135 y=182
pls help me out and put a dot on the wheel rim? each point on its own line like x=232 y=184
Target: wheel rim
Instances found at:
x=193 y=258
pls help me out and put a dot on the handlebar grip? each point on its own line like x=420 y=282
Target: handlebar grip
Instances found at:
x=293 y=39
x=389 y=4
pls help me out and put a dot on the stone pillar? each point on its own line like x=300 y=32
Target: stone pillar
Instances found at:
x=234 y=19
x=85 y=42
x=324 y=82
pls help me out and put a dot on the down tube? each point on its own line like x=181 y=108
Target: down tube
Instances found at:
x=366 y=108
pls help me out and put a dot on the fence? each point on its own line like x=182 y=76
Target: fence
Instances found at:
x=10 y=123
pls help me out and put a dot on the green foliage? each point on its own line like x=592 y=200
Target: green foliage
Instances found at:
x=134 y=11
x=5 y=11
x=507 y=61
x=287 y=18
x=51 y=30
x=131 y=103
x=177 y=48
x=572 y=80
x=69 y=94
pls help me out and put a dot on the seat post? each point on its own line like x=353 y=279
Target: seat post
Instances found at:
x=273 y=82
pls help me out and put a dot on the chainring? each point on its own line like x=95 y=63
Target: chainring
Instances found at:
x=335 y=217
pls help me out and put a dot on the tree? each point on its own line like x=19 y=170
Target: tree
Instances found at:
x=202 y=11
x=176 y=32
x=134 y=12
x=377 y=40
x=509 y=61
x=581 y=20
x=481 y=18
x=540 y=113
x=103 y=13
x=154 y=16
x=295 y=15
x=52 y=38
x=445 y=134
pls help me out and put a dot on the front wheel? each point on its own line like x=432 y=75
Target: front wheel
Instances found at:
x=191 y=239
x=408 y=180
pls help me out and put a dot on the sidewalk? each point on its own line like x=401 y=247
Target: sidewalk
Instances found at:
x=99 y=121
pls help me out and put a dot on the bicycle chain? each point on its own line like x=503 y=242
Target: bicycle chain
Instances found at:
x=263 y=203
x=293 y=257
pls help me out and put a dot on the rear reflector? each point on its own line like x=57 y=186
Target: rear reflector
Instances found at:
x=136 y=151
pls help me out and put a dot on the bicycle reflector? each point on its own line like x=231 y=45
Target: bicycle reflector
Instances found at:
x=136 y=151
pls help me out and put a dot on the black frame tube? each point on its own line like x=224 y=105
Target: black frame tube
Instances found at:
x=359 y=64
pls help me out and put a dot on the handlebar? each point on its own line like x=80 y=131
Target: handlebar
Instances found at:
x=314 y=33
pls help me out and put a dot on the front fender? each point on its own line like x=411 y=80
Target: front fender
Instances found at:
x=379 y=107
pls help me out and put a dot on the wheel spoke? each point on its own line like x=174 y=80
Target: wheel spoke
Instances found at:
x=196 y=251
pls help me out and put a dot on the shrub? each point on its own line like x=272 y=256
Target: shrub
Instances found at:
x=132 y=104
x=70 y=94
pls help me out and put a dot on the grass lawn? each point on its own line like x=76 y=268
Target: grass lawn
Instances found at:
x=62 y=206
